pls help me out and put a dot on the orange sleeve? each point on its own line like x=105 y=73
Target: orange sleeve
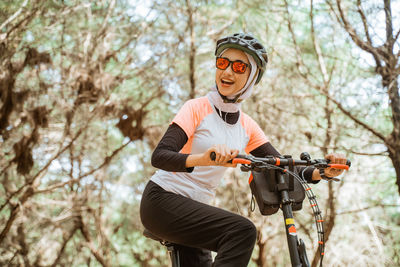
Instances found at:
x=191 y=114
x=254 y=132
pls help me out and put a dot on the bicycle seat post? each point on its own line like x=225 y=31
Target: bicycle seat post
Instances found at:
x=173 y=255
x=173 y=251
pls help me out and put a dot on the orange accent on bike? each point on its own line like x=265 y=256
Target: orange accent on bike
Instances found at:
x=320 y=242
x=339 y=166
x=278 y=161
x=313 y=205
x=241 y=161
x=320 y=220
x=292 y=229
x=308 y=189
x=250 y=178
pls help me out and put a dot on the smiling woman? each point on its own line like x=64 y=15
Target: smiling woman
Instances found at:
x=180 y=192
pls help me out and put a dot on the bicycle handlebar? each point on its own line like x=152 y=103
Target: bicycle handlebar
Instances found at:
x=285 y=161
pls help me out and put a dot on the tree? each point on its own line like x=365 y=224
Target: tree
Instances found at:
x=387 y=67
x=65 y=93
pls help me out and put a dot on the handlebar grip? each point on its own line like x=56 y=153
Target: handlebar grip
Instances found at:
x=339 y=166
x=241 y=161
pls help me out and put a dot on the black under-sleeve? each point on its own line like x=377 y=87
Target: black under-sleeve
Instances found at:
x=265 y=150
x=268 y=150
x=166 y=156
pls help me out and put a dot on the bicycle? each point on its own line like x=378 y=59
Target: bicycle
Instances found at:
x=275 y=185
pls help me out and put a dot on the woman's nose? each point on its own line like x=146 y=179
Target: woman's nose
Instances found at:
x=228 y=70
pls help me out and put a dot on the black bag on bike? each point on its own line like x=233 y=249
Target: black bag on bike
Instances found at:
x=264 y=188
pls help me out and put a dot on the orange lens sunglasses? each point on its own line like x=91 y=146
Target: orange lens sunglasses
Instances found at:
x=237 y=66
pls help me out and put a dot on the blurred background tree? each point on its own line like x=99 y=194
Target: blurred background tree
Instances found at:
x=87 y=89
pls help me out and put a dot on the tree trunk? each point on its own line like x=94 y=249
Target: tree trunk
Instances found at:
x=395 y=157
x=192 y=53
x=387 y=68
x=393 y=141
x=260 y=261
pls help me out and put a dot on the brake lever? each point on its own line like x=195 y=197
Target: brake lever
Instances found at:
x=331 y=178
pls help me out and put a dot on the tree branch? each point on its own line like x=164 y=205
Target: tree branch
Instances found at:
x=64 y=244
x=25 y=20
x=14 y=212
x=383 y=153
x=364 y=21
x=396 y=36
x=105 y=21
x=192 y=53
x=100 y=34
x=89 y=242
x=73 y=181
x=389 y=27
x=366 y=46
x=31 y=181
x=31 y=190
x=300 y=62
x=367 y=208
x=317 y=48
x=15 y=15
x=356 y=120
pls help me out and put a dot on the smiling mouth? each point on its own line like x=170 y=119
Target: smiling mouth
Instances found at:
x=227 y=82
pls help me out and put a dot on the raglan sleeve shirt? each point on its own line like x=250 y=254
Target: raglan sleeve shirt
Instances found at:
x=168 y=154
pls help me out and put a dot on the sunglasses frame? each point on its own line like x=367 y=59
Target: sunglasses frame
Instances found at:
x=231 y=64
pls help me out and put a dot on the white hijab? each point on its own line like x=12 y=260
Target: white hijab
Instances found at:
x=217 y=100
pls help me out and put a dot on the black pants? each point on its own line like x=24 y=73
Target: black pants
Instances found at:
x=199 y=228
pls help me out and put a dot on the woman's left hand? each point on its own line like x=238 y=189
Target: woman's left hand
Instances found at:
x=334 y=158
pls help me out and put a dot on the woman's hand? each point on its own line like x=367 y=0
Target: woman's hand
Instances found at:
x=334 y=158
x=223 y=154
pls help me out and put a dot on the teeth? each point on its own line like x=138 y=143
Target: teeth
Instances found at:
x=227 y=81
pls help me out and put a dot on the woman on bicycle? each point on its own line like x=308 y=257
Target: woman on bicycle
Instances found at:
x=175 y=203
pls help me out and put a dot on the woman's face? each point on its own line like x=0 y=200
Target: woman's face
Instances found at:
x=229 y=82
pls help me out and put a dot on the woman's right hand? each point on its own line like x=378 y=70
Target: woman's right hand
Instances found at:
x=223 y=154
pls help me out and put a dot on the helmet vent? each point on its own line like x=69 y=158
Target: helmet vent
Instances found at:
x=258 y=46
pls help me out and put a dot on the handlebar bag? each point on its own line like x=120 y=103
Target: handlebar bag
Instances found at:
x=264 y=188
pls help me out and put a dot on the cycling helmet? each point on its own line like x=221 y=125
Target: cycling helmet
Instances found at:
x=248 y=44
